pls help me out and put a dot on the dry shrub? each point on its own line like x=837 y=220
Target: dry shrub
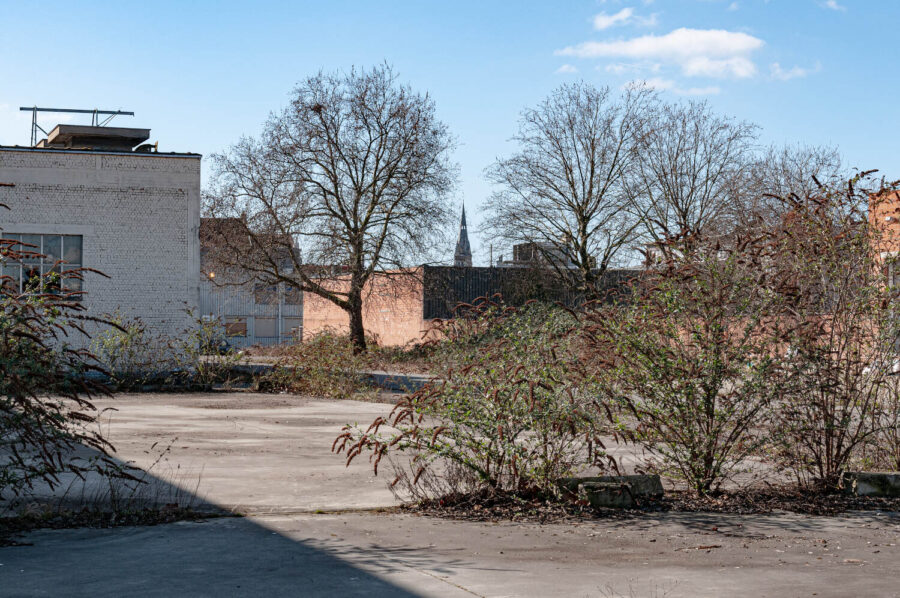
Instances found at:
x=508 y=412
x=844 y=334
x=687 y=368
x=882 y=452
x=136 y=358
x=781 y=338
x=46 y=384
x=323 y=366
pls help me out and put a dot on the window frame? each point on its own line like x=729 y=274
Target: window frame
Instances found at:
x=41 y=263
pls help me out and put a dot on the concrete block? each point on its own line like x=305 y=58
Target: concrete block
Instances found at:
x=871 y=483
x=641 y=485
x=607 y=495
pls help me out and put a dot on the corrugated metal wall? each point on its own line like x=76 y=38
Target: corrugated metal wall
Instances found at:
x=446 y=287
x=254 y=314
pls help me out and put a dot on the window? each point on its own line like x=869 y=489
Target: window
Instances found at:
x=44 y=254
x=235 y=326
x=265 y=327
x=293 y=328
x=264 y=294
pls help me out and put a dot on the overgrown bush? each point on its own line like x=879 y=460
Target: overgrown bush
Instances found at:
x=195 y=359
x=324 y=366
x=133 y=356
x=46 y=415
x=882 y=452
x=507 y=416
x=778 y=342
x=688 y=367
x=843 y=333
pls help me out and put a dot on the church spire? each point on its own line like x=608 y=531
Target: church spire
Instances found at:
x=462 y=257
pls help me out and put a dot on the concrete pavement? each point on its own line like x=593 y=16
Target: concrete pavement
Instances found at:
x=245 y=452
x=357 y=554
x=269 y=456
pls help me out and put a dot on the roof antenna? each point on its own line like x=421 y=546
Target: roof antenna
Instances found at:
x=96 y=121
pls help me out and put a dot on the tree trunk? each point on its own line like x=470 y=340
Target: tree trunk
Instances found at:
x=357 y=331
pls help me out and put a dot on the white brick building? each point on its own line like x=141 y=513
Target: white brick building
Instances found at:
x=133 y=215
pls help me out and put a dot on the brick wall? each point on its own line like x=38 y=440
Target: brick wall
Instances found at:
x=138 y=215
x=884 y=212
x=392 y=310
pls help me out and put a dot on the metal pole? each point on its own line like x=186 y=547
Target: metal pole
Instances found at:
x=280 y=328
x=76 y=110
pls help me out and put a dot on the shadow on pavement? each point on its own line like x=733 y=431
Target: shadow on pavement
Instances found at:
x=221 y=556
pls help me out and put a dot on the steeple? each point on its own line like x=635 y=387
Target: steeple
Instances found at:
x=462 y=257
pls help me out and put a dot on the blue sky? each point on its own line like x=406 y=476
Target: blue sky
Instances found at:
x=201 y=74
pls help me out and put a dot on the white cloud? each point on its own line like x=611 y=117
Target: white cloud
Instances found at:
x=702 y=66
x=733 y=6
x=795 y=72
x=605 y=21
x=623 y=17
x=833 y=5
x=669 y=85
x=699 y=52
x=650 y=21
x=620 y=68
x=566 y=68
x=656 y=83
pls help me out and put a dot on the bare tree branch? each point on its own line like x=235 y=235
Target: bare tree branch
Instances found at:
x=354 y=176
x=563 y=189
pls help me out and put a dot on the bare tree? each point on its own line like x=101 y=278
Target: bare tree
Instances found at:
x=690 y=161
x=354 y=176
x=562 y=190
x=780 y=172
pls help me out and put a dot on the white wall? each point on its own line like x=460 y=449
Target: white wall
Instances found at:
x=139 y=215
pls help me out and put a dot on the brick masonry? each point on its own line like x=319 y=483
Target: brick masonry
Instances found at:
x=138 y=214
x=392 y=310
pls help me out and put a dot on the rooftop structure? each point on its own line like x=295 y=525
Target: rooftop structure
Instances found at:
x=95 y=138
x=537 y=255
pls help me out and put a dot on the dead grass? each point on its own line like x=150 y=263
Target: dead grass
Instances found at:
x=497 y=506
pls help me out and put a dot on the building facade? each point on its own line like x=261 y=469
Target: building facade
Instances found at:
x=94 y=202
x=254 y=313
x=253 y=310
